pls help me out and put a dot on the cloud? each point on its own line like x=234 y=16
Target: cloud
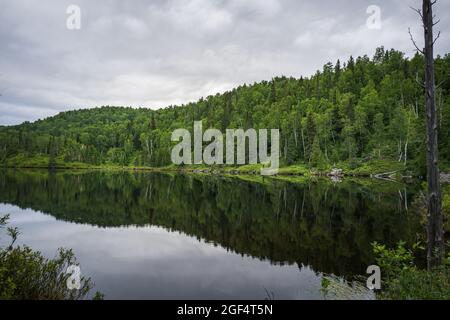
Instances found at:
x=158 y=53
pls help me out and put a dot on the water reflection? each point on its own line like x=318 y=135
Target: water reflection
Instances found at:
x=177 y=236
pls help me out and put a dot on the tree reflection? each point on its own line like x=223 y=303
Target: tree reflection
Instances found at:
x=326 y=226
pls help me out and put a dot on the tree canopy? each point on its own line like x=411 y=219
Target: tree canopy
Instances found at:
x=366 y=108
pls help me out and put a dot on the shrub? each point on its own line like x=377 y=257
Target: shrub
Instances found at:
x=403 y=280
x=26 y=274
x=393 y=261
x=446 y=207
x=419 y=285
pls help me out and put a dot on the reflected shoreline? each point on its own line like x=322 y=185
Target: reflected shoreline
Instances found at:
x=318 y=223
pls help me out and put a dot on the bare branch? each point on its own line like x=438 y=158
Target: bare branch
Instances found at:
x=439 y=34
x=414 y=42
x=419 y=12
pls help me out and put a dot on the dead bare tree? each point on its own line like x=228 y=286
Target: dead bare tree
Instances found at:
x=435 y=229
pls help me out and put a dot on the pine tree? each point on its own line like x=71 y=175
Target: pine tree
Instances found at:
x=317 y=158
x=52 y=154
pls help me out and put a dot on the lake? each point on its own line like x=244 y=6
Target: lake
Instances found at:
x=176 y=236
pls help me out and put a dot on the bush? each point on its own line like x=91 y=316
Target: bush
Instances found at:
x=446 y=207
x=419 y=285
x=403 y=280
x=26 y=274
x=393 y=261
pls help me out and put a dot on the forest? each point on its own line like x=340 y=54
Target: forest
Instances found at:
x=353 y=112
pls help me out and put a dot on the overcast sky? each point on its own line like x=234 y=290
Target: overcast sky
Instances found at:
x=157 y=53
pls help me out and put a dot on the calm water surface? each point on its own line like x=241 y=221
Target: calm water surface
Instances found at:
x=157 y=236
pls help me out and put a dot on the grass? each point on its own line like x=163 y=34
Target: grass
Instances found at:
x=374 y=167
x=300 y=170
x=419 y=285
x=42 y=161
x=335 y=288
x=362 y=169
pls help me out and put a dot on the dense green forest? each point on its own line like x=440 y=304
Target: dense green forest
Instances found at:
x=363 y=109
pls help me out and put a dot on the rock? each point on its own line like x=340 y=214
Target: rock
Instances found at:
x=336 y=173
x=445 y=177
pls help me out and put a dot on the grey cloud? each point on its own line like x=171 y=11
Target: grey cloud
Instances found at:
x=156 y=53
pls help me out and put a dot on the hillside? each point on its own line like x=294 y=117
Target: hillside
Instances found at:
x=353 y=112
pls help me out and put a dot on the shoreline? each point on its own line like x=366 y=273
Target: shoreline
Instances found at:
x=386 y=170
x=290 y=171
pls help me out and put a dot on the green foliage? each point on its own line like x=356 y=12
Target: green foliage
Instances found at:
x=317 y=158
x=26 y=275
x=446 y=206
x=98 y=296
x=366 y=109
x=403 y=280
x=419 y=285
x=300 y=170
x=372 y=167
x=393 y=261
